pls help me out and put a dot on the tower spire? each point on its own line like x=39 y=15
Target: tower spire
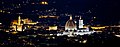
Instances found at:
x=70 y=17
x=80 y=17
x=19 y=20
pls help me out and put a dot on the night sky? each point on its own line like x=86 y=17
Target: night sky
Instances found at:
x=106 y=11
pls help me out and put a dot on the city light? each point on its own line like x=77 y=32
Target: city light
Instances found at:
x=14 y=32
x=44 y=3
x=59 y=23
x=52 y=27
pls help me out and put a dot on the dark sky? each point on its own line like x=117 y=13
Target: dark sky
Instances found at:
x=105 y=10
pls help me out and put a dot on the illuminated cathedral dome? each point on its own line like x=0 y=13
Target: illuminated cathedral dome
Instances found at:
x=70 y=24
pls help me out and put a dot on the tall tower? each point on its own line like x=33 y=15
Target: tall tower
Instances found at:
x=19 y=20
x=19 y=25
x=80 y=23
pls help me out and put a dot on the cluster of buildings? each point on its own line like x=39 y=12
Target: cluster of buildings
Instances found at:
x=19 y=25
x=70 y=28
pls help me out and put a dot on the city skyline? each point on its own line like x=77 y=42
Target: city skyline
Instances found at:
x=59 y=23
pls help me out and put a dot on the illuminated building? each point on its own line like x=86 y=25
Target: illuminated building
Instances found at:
x=98 y=27
x=19 y=20
x=49 y=17
x=27 y=21
x=17 y=25
x=81 y=23
x=83 y=30
x=52 y=27
x=70 y=24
